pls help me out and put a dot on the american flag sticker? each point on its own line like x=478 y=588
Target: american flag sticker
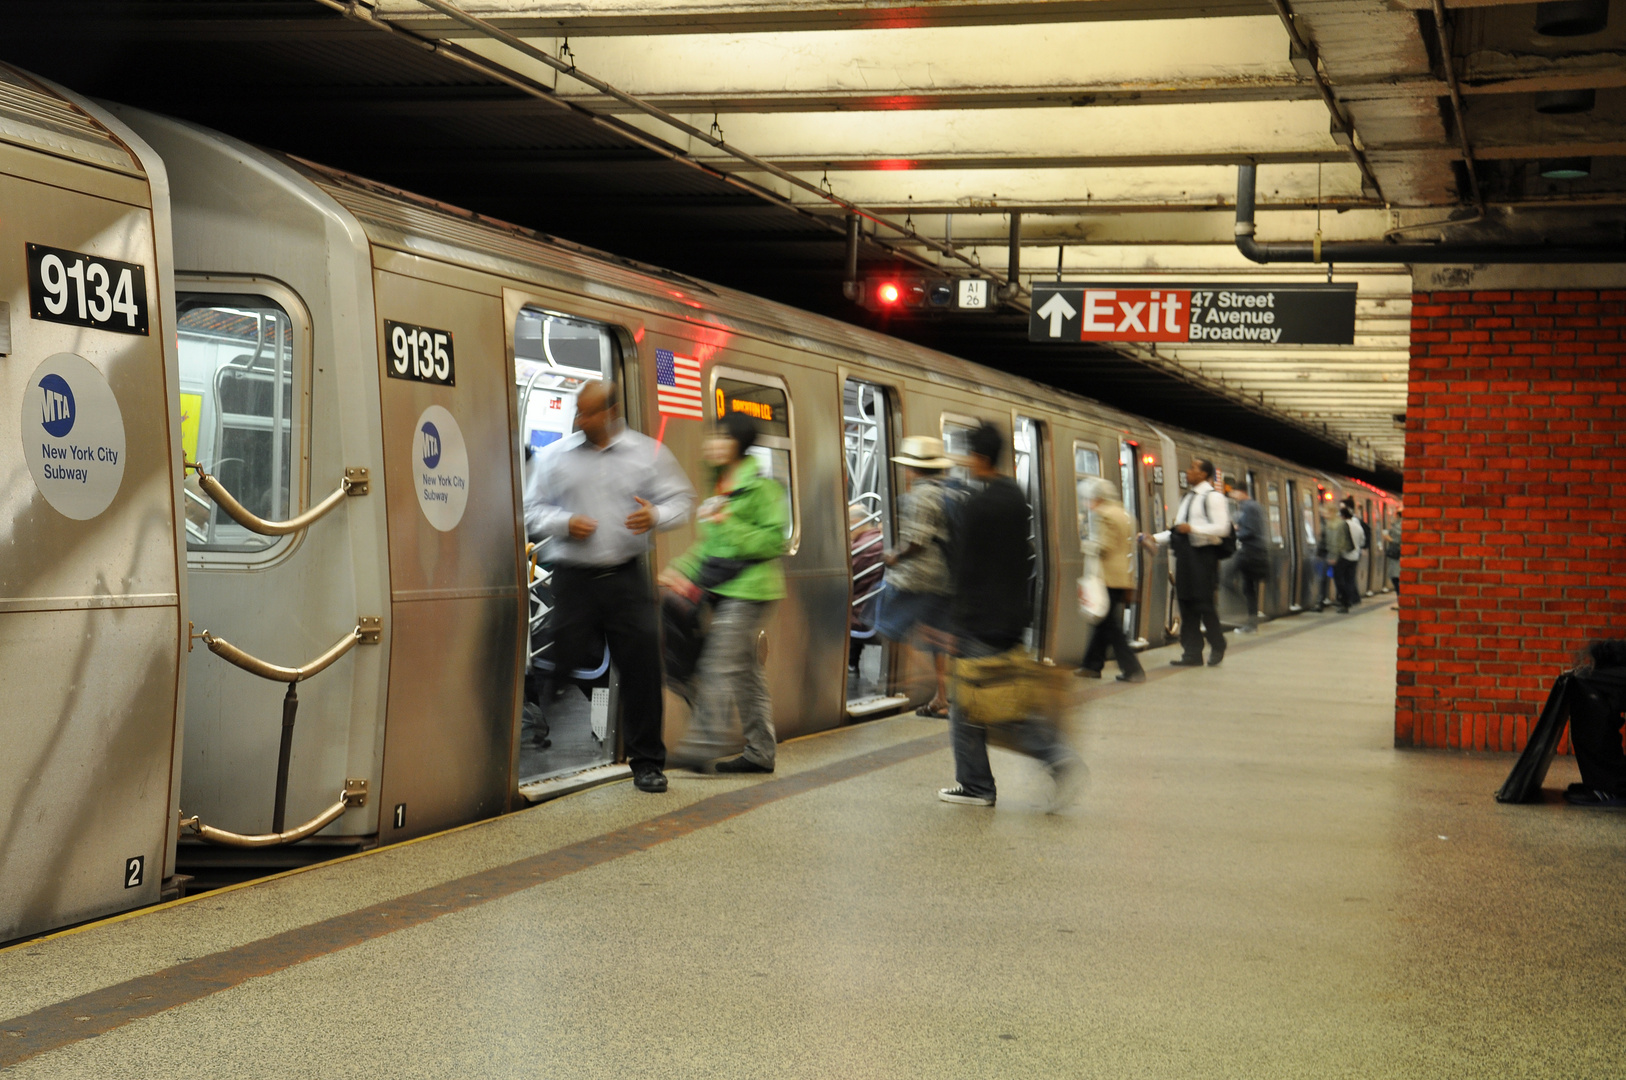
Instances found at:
x=677 y=385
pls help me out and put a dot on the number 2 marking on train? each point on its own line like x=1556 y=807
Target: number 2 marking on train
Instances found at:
x=135 y=870
x=420 y=353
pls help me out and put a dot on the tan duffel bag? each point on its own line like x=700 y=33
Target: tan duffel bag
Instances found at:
x=1010 y=686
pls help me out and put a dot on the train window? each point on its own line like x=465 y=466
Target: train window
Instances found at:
x=1273 y=510
x=765 y=399
x=1311 y=517
x=242 y=390
x=957 y=441
x=1086 y=463
x=1027 y=443
x=554 y=357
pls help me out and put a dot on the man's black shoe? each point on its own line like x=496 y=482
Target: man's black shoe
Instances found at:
x=650 y=780
x=1139 y=676
x=740 y=765
x=1088 y=673
x=1215 y=658
x=1606 y=800
x=1187 y=661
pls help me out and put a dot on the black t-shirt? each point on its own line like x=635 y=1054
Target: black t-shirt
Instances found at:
x=991 y=563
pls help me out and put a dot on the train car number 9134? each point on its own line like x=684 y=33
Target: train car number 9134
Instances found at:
x=83 y=290
x=420 y=353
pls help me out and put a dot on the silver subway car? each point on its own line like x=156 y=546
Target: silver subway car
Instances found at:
x=91 y=589
x=334 y=454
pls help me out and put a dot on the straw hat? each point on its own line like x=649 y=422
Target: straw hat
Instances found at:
x=923 y=452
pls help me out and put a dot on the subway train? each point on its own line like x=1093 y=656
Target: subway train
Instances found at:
x=266 y=517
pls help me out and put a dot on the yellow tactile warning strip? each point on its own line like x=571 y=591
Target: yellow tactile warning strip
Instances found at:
x=92 y=1014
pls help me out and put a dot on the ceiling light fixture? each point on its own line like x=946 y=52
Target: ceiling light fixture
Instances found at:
x=1566 y=168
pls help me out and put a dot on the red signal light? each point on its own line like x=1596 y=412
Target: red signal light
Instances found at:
x=887 y=293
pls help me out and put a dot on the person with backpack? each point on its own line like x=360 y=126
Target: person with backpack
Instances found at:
x=1200 y=537
x=989 y=565
x=740 y=535
x=917 y=573
x=1346 y=538
x=1252 y=552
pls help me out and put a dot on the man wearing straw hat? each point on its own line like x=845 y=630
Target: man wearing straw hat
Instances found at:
x=917 y=574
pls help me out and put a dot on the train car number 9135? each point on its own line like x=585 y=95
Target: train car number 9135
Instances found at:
x=83 y=290
x=420 y=353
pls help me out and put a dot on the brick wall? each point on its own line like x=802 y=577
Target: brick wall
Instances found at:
x=1512 y=555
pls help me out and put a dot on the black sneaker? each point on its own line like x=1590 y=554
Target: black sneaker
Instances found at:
x=1088 y=673
x=740 y=765
x=1137 y=677
x=650 y=780
x=1215 y=658
x=958 y=794
x=1187 y=661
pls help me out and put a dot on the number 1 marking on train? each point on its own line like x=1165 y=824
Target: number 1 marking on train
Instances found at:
x=400 y=815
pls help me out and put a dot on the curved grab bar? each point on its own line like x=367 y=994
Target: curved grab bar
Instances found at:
x=366 y=631
x=355 y=482
x=354 y=794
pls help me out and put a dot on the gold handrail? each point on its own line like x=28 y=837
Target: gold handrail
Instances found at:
x=355 y=482
x=354 y=794
x=366 y=632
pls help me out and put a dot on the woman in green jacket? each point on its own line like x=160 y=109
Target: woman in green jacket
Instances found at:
x=740 y=531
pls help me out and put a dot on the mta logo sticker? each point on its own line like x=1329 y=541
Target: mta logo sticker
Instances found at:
x=429 y=438
x=56 y=405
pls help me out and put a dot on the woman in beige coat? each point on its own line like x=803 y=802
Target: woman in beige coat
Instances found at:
x=1113 y=535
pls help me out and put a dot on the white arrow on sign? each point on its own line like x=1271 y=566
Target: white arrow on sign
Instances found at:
x=1058 y=311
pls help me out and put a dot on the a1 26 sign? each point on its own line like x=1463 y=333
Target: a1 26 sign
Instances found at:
x=419 y=353
x=83 y=290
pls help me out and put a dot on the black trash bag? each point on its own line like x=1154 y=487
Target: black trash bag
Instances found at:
x=1523 y=784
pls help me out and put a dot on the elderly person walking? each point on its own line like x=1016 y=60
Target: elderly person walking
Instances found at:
x=1113 y=536
x=735 y=561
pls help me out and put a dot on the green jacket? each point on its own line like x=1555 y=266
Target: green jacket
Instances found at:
x=753 y=527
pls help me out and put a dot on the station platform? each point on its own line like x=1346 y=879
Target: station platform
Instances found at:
x=1254 y=884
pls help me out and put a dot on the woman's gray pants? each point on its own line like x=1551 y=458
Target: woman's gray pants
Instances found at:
x=728 y=677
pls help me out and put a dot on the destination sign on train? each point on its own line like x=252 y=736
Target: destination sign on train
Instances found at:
x=1193 y=314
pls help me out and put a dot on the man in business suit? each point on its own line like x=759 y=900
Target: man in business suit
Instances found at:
x=1200 y=526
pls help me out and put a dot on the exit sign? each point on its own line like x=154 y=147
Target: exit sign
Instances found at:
x=1193 y=314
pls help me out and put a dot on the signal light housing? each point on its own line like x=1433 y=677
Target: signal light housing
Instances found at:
x=905 y=293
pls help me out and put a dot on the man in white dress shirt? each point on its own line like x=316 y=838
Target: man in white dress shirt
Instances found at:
x=1200 y=526
x=599 y=496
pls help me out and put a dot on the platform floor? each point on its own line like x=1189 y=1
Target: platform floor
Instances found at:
x=1254 y=885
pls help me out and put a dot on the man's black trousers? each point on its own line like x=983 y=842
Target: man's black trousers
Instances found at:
x=1343 y=579
x=1109 y=633
x=1195 y=609
x=614 y=606
x=1595 y=723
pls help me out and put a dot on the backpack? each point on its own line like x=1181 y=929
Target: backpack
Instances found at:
x=1227 y=544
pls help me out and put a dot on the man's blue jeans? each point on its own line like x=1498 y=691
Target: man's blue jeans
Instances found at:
x=1035 y=738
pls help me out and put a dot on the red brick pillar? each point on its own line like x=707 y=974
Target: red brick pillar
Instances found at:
x=1514 y=540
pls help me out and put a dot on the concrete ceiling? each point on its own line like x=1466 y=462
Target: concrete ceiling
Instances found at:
x=1115 y=126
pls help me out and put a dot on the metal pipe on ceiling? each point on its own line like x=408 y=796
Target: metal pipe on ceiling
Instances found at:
x=1339 y=251
x=1458 y=112
x=1305 y=49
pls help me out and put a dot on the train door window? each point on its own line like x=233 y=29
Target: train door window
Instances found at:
x=1129 y=483
x=1273 y=511
x=867 y=444
x=766 y=400
x=1027 y=440
x=957 y=441
x=243 y=387
x=1086 y=464
x=568 y=711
